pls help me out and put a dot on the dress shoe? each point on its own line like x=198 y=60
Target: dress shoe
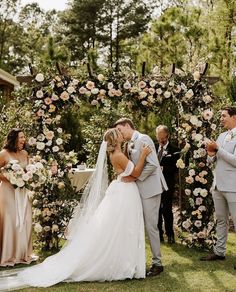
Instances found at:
x=212 y=257
x=171 y=239
x=155 y=270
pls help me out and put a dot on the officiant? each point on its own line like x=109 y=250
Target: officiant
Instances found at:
x=168 y=155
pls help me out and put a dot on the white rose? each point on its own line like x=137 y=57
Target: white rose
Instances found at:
x=194 y=120
x=59 y=141
x=213 y=127
x=153 y=83
x=142 y=94
x=25 y=177
x=70 y=89
x=20 y=183
x=203 y=193
x=127 y=85
x=82 y=90
x=94 y=102
x=95 y=91
x=59 y=130
x=40 y=145
x=39 y=94
x=198 y=137
x=16 y=166
x=39 y=77
x=187 y=192
x=55 y=149
x=207 y=98
x=31 y=168
x=167 y=94
x=101 y=77
x=49 y=143
x=191 y=172
x=38 y=228
x=151 y=91
x=39 y=165
x=32 y=141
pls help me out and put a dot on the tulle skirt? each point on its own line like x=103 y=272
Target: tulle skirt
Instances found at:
x=110 y=246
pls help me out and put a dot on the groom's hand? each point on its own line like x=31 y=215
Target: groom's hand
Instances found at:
x=129 y=178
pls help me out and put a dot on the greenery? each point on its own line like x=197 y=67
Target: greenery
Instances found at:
x=183 y=272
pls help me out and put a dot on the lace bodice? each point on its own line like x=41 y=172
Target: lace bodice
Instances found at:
x=128 y=170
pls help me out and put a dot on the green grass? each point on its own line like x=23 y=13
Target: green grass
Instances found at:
x=182 y=272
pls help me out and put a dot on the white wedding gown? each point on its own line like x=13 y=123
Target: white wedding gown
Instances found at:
x=110 y=246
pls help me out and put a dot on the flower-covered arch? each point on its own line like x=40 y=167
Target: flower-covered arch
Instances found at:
x=192 y=100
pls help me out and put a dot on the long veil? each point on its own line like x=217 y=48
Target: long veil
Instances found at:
x=92 y=195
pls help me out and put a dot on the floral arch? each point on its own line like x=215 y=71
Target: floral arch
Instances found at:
x=191 y=99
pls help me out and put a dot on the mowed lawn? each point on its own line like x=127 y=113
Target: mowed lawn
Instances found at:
x=183 y=272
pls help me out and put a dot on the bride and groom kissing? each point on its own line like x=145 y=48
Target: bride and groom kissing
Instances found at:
x=105 y=238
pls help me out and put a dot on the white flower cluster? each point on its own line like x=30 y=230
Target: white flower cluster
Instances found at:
x=31 y=177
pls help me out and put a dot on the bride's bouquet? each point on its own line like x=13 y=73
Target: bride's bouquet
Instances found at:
x=30 y=177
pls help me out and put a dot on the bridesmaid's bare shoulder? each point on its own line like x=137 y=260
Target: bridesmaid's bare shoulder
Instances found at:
x=4 y=154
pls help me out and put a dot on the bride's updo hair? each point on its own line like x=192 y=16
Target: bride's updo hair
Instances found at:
x=111 y=137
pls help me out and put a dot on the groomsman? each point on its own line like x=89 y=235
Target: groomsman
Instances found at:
x=223 y=152
x=167 y=155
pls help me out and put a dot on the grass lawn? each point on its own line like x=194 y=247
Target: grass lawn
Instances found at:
x=182 y=272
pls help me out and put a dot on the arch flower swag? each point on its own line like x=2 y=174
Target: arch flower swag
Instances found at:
x=192 y=98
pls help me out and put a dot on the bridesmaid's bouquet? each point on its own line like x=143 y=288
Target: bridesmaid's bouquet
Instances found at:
x=30 y=177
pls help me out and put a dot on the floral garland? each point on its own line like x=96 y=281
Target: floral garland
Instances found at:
x=191 y=96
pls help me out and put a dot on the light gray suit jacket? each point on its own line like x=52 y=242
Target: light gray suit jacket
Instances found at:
x=151 y=182
x=225 y=168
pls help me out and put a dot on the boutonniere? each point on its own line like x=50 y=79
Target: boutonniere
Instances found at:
x=164 y=153
x=230 y=136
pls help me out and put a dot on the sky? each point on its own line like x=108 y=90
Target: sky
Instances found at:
x=48 y=4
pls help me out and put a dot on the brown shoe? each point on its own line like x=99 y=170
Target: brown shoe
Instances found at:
x=155 y=270
x=212 y=257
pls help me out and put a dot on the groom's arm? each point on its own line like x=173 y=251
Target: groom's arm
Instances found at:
x=151 y=161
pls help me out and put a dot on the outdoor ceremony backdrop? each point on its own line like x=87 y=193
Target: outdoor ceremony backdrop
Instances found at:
x=67 y=104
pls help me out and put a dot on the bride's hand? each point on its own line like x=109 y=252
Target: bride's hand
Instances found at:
x=146 y=149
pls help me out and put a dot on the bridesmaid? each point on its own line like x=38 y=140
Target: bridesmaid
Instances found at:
x=15 y=208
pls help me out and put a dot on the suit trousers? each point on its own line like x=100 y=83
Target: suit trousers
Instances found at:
x=151 y=214
x=225 y=204
x=166 y=213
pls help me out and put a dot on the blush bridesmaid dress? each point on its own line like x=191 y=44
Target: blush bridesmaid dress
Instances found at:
x=15 y=224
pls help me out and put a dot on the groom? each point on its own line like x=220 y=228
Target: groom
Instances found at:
x=151 y=184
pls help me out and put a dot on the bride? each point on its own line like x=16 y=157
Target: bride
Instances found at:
x=105 y=238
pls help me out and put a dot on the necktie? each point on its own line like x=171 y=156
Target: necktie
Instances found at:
x=159 y=156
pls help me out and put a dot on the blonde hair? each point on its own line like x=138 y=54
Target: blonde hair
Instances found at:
x=111 y=137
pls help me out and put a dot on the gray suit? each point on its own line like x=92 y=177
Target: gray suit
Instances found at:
x=151 y=184
x=224 y=189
